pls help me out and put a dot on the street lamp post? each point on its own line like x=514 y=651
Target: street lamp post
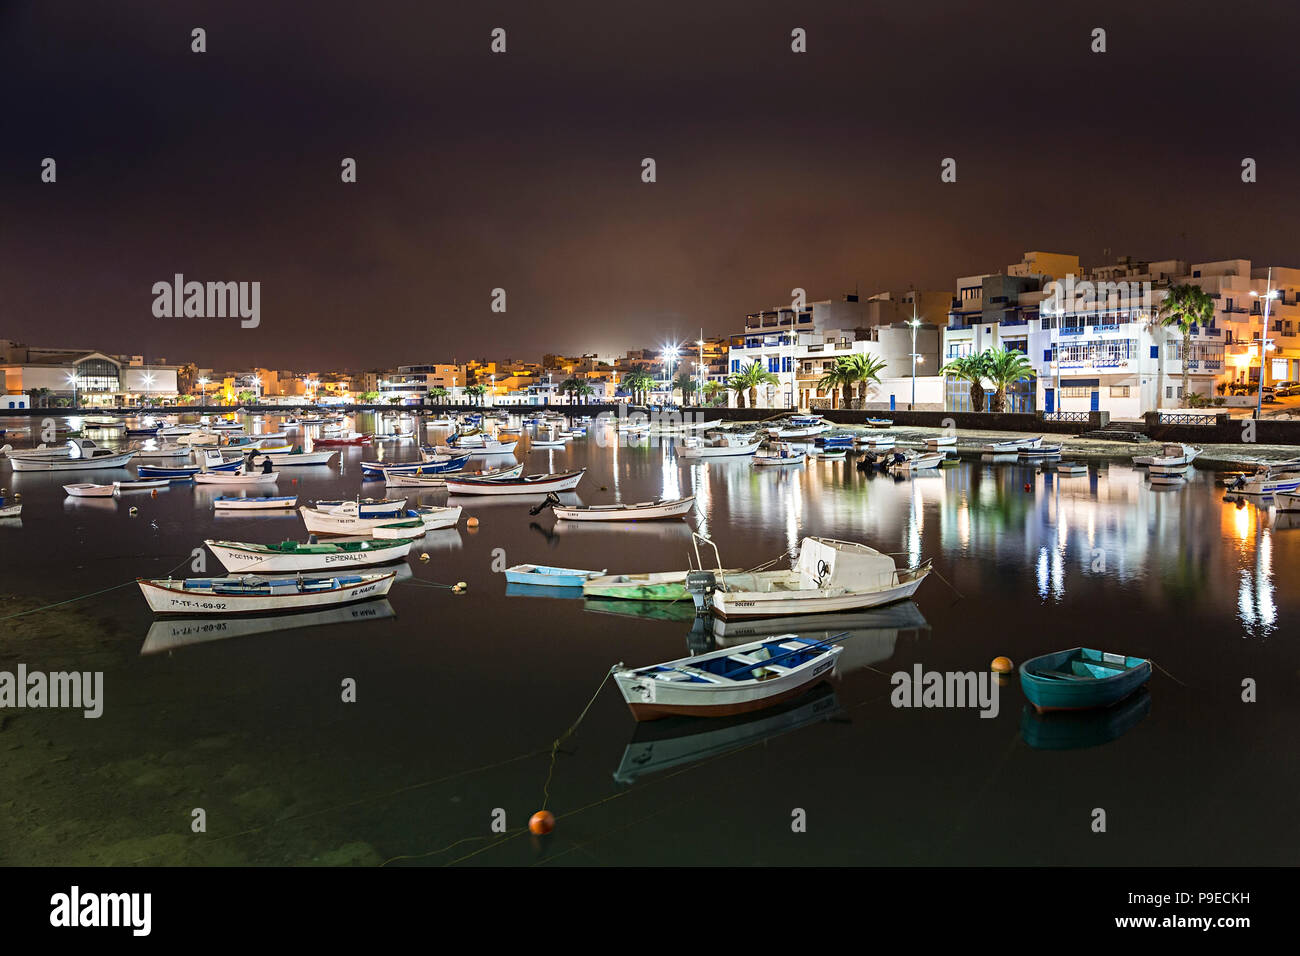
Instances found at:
x=1269 y=295
x=915 y=323
x=72 y=379
x=700 y=343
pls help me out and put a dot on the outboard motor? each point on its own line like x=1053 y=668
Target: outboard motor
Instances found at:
x=700 y=585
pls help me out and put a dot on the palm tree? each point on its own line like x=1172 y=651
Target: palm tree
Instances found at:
x=584 y=390
x=686 y=384
x=969 y=368
x=838 y=377
x=749 y=380
x=1186 y=307
x=395 y=400
x=438 y=393
x=247 y=396
x=711 y=391
x=1004 y=367
x=477 y=391
x=39 y=396
x=864 y=371
x=571 y=387
x=636 y=383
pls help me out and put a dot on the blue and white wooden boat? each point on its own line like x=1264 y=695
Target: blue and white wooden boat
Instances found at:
x=734 y=680
x=237 y=503
x=177 y=473
x=835 y=441
x=1081 y=678
x=150 y=432
x=547 y=576
x=433 y=465
x=369 y=507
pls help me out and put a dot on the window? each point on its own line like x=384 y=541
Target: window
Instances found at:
x=773 y=364
x=1169 y=391
x=1119 y=391
x=1075 y=391
x=787 y=364
x=1047 y=355
x=1155 y=351
x=735 y=365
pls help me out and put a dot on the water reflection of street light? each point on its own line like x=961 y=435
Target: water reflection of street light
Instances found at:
x=203 y=391
x=915 y=323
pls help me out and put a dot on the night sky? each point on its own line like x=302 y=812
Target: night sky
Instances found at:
x=523 y=170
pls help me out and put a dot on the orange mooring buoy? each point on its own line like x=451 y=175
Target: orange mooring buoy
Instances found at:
x=1028 y=486
x=471 y=522
x=1002 y=665
x=541 y=822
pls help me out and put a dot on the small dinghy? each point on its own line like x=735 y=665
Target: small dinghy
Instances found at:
x=142 y=485
x=87 y=490
x=527 y=484
x=1174 y=453
x=546 y=576
x=878 y=423
x=1010 y=445
x=431 y=465
x=1039 y=451
x=911 y=461
x=782 y=454
x=734 y=680
x=230 y=478
x=1071 y=469
x=234 y=503
x=369 y=507
x=941 y=441
x=254 y=595
x=240 y=556
x=398 y=480
x=874 y=442
x=659 y=510
x=356 y=438
x=1081 y=679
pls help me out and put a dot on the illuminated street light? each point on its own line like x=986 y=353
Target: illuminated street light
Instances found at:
x=1269 y=295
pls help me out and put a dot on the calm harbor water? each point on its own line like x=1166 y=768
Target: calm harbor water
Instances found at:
x=459 y=697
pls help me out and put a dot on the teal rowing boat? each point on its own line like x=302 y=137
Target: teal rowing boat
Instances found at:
x=1081 y=679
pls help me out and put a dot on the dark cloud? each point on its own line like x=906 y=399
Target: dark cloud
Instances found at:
x=522 y=171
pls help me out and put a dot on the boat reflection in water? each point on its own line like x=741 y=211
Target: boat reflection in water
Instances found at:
x=1074 y=730
x=676 y=741
x=168 y=634
x=868 y=637
x=678 y=611
x=514 y=589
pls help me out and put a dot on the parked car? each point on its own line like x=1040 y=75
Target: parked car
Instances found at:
x=1287 y=391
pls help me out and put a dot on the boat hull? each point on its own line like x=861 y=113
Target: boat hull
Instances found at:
x=37 y=463
x=164 y=599
x=743 y=605
x=1047 y=695
x=242 y=559
x=666 y=511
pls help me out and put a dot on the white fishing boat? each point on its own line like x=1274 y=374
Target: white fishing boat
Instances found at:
x=734 y=680
x=403 y=480
x=910 y=461
x=165 y=453
x=526 y=484
x=1070 y=469
x=829 y=575
x=235 y=478
x=1039 y=452
x=941 y=441
x=800 y=426
x=435 y=519
x=693 y=448
x=481 y=449
x=85 y=490
x=1173 y=453
x=1012 y=445
x=874 y=442
x=299 y=459
x=172 y=431
x=658 y=510
x=394 y=530
x=235 y=503
x=251 y=594
x=78 y=454
x=1169 y=476
x=779 y=455
x=10 y=511
x=1264 y=483
x=368 y=507
x=548 y=436
x=142 y=484
x=242 y=557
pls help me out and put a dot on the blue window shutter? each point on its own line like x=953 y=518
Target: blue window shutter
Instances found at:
x=1047 y=355
x=1155 y=351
